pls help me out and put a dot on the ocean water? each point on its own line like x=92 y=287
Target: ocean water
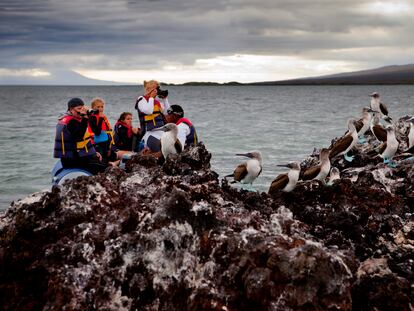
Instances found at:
x=284 y=122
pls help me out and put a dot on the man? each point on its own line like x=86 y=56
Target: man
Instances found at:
x=187 y=134
x=73 y=143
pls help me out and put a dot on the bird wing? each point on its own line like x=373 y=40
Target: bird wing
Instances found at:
x=340 y=145
x=358 y=125
x=178 y=146
x=240 y=172
x=379 y=132
x=279 y=183
x=383 y=109
x=311 y=172
x=410 y=150
x=382 y=147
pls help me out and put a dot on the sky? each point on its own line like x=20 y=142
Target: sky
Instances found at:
x=178 y=41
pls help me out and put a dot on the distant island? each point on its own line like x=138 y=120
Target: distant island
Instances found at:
x=403 y=74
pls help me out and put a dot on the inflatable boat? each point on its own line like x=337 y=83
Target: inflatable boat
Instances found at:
x=60 y=174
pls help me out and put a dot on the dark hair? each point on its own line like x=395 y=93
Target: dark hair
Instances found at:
x=177 y=110
x=75 y=102
x=123 y=116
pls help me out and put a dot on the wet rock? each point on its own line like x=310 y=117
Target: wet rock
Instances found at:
x=172 y=237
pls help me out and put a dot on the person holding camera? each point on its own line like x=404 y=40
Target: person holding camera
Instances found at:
x=124 y=133
x=152 y=108
x=100 y=128
x=187 y=134
x=73 y=142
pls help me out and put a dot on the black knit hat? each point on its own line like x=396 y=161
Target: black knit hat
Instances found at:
x=177 y=110
x=75 y=102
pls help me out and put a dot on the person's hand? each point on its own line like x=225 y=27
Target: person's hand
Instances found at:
x=152 y=93
x=98 y=155
x=84 y=111
x=146 y=151
x=135 y=130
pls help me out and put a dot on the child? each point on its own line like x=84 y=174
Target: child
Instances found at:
x=101 y=128
x=125 y=133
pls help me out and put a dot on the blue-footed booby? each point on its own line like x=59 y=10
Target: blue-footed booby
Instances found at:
x=345 y=143
x=362 y=125
x=376 y=128
x=388 y=149
x=408 y=153
x=377 y=105
x=248 y=171
x=410 y=148
x=170 y=144
x=286 y=182
x=320 y=171
x=333 y=175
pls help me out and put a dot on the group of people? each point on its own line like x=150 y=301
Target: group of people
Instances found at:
x=85 y=139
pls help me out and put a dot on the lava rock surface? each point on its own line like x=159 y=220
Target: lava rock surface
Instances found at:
x=175 y=237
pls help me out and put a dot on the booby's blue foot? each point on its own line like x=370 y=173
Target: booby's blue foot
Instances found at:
x=348 y=158
x=361 y=140
x=390 y=163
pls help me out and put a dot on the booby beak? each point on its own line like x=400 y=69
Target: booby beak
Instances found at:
x=249 y=155
x=289 y=165
x=370 y=110
x=162 y=128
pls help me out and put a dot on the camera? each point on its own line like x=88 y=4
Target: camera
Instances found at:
x=93 y=111
x=162 y=93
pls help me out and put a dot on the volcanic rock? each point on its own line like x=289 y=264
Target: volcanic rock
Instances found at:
x=173 y=237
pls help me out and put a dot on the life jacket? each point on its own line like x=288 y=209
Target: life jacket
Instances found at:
x=106 y=131
x=191 y=138
x=65 y=146
x=149 y=122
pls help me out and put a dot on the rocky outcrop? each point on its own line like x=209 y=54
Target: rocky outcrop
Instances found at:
x=173 y=237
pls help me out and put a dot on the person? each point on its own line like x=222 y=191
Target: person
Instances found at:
x=187 y=133
x=124 y=133
x=151 y=112
x=100 y=128
x=73 y=142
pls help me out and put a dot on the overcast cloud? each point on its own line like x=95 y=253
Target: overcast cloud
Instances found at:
x=211 y=39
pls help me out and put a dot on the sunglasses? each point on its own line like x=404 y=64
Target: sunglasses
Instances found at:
x=170 y=111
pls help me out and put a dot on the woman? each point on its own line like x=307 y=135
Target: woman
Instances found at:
x=124 y=132
x=151 y=115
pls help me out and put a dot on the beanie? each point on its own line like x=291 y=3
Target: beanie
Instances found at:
x=75 y=102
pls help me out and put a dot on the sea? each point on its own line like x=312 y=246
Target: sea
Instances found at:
x=286 y=123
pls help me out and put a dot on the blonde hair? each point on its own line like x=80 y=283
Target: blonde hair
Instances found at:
x=95 y=101
x=150 y=85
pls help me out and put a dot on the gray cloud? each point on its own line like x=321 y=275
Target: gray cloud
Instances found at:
x=138 y=34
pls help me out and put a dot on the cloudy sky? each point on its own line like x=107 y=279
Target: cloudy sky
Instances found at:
x=201 y=40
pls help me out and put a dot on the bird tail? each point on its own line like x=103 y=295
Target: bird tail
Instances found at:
x=230 y=175
x=403 y=155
